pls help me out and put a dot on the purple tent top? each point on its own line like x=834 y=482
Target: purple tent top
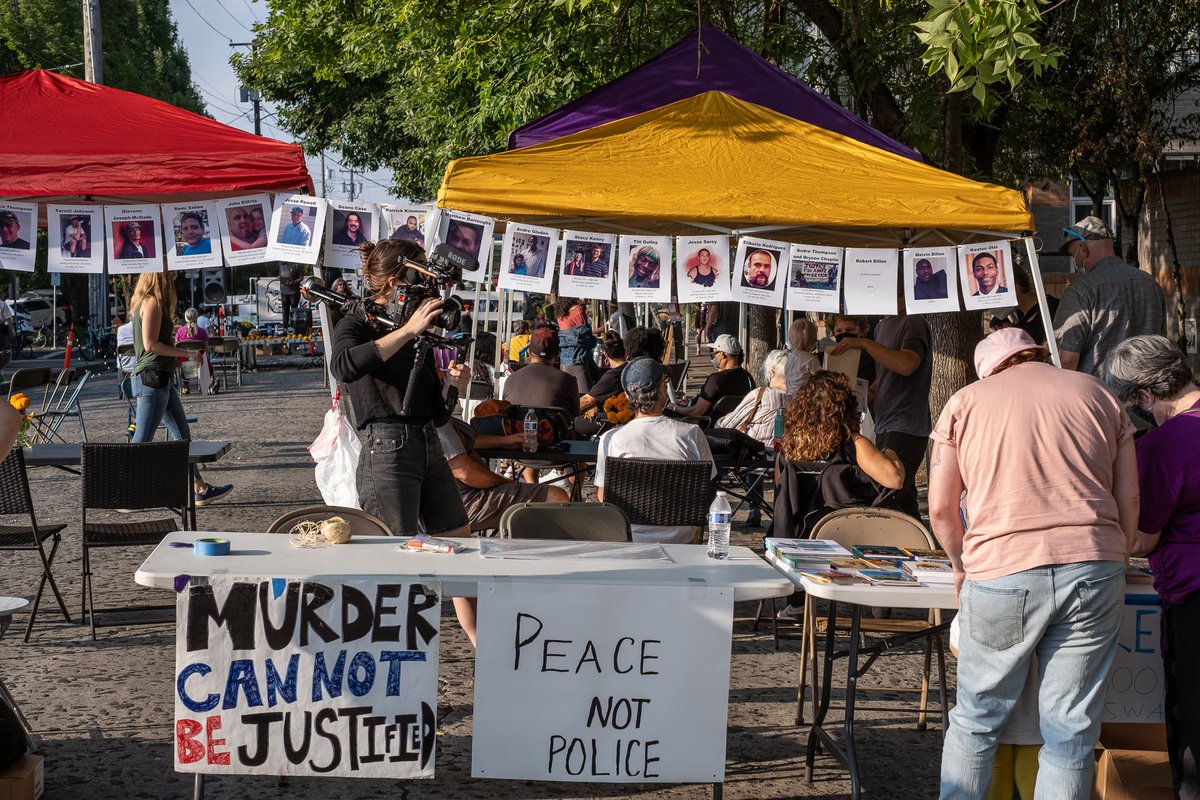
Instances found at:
x=725 y=66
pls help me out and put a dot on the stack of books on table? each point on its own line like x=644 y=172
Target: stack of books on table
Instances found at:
x=827 y=561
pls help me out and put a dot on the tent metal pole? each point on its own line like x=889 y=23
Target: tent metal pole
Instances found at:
x=1040 y=288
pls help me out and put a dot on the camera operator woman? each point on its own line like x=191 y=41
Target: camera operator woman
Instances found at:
x=403 y=477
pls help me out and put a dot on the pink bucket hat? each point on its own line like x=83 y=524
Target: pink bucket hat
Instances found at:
x=1001 y=345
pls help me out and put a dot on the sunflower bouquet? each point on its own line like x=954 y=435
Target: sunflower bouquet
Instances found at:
x=20 y=401
x=616 y=408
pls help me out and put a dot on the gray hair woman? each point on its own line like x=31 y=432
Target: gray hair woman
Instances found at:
x=1152 y=373
x=755 y=415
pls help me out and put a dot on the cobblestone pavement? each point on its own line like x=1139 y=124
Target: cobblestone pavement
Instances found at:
x=104 y=709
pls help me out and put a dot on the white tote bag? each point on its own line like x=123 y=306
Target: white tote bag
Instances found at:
x=336 y=451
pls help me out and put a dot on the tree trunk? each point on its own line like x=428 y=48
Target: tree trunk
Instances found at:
x=763 y=336
x=954 y=339
x=1130 y=202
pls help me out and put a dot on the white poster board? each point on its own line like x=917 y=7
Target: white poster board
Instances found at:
x=1134 y=688
x=987 y=275
x=75 y=238
x=702 y=268
x=756 y=271
x=135 y=239
x=470 y=233
x=348 y=226
x=814 y=278
x=527 y=258
x=18 y=235
x=243 y=222
x=348 y=667
x=637 y=694
x=188 y=231
x=930 y=280
x=644 y=269
x=297 y=228
x=871 y=280
x=585 y=269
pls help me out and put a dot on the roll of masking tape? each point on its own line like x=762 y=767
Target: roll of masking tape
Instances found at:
x=212 y=547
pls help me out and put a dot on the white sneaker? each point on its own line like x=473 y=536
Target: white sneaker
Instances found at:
x=791 y=613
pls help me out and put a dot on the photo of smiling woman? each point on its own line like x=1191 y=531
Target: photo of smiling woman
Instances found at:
x=644 y=268
x=243 y=235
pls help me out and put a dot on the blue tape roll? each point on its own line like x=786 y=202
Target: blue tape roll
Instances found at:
x=211 y=547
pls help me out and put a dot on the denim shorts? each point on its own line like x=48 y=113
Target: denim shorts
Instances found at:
x=403 y=479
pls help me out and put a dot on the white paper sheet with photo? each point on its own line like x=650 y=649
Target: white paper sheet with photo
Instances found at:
x=403 y=222
x=870 y=283
x=527 y=258
x=188 y=233
x=18 y=236
x=297 y=228
x=757 y=271
x=471 y=233
x=585 y=269
x=930 y=280
x=135 y=239
x=76 y=238
x=987 y=275
x=347 y=226
x=643 y=269
x=541 y=550
x=814 y=278
x=243 y=223
x=702 y=268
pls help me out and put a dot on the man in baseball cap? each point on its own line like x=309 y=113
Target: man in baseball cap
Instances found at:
x=541 y=384
x=730 y=380
x=297 y=233
x=133 y=246
x=1106 y=304
x=10 y=231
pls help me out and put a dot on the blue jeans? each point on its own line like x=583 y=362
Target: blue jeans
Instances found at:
x=1068 y=615
x=160 y=405
x=403 y=479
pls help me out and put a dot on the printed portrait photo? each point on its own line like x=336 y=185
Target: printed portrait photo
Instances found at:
x=986 y=274
x=465 y=236
x=644 y=267
x=247 y=227
x=192 y=237
x=929 y=279
x=704 y=267
x=296 y=226
x=76 y=235
x=529 y=254
x=133 y=239
x=587 y=259
x=407 y=225
x=352 y=228
x=14 y=229
x=760 y=269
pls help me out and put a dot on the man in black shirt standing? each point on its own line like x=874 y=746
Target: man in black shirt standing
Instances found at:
x=730 y=379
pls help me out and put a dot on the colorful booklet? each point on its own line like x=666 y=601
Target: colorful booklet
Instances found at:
x=931 y=571
x=850 y=564
x=879 y=551
x=836 y=577
x=921 y=553
x=888 y=577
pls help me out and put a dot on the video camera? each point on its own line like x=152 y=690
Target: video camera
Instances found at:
x=433 y=279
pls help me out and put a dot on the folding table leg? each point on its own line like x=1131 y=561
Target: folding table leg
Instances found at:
x=198 y=787
x=851 y=689
x=822 y=708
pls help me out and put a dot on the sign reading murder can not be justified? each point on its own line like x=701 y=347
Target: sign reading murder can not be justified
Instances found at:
x=314 y=677
x=637 y=694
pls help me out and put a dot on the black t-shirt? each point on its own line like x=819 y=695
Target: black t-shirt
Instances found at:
x=736 y=382
x=608 y=385
x=376 y=387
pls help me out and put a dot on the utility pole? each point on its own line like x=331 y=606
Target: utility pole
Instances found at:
x=323 y=192
x=353 y=187
x=252 y=95
x=93 y=72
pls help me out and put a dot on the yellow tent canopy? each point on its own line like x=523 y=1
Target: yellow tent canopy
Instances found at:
x=714 y=163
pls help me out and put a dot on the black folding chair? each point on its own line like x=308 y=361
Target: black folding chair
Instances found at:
x=15 y=500
x=131 y=477
x=658 y=492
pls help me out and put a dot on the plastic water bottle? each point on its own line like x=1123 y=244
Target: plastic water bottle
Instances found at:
x=720 y=517
x=531 y=431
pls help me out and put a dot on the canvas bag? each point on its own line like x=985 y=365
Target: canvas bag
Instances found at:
x=336 y=450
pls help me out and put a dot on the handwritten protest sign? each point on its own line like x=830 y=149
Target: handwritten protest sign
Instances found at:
x=602 y=684
x=314 y=677
x=1133 y=691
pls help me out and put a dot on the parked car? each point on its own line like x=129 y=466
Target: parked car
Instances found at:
x=39 y=309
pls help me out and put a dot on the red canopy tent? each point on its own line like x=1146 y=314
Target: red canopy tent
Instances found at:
x=67 y=140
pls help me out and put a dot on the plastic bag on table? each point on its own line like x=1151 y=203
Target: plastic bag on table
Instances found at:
x=336 y=451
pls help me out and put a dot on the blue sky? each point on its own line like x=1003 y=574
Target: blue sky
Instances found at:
x=206 y=27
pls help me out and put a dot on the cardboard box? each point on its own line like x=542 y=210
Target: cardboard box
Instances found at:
x=1132 y=763
x=23 y=780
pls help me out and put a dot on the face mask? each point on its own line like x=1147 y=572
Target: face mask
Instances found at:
x=843 y=335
